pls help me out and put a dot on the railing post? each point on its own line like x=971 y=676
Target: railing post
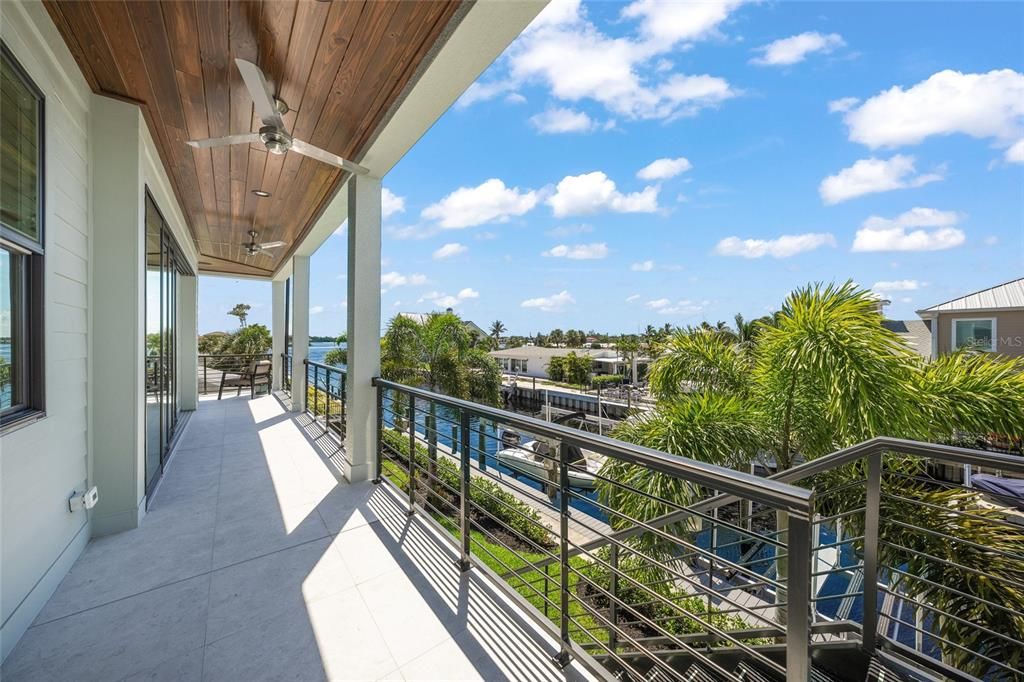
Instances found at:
x=412 y=453
x=379 y=465
x=204 y=374
x=798 y=599
x=564 y=656
x=869 y=630
x=613 y=608
x=481 y=443
x=344 y=420
x=464 y=562
x=316 y=393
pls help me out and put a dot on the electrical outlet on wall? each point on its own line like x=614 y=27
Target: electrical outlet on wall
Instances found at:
x=84 y=500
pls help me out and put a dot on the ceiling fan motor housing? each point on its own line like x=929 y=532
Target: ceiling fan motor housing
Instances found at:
x=277 y=141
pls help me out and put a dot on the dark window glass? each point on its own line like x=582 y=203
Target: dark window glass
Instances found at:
x=20 y=123
x=21 y=244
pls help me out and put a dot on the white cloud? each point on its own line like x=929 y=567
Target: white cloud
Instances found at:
x=390 y=203
x=919 y=229
x=642 y=266
x=489 y=202
x=991 y=240
x=634 y=297
x=449 y=250
x=787 y=51
x=562 y=120
x=568 y=54
x=316 y=309
x=898 y=285
x=663 y=169
x=442 y=300
x=843 y=104
x=982 y=105
x=782 y=247
x=593 y=251
x=391 y=280
x=868 y=176
x=569 y=230
x=593 y=192
x=1015 y=152
x=480 y=92
x=515 y=98
x=664 y=24
x=666 y=306
x=550 y=304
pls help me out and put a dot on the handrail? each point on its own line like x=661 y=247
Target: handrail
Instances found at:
x=333 y=368
x=770 y=492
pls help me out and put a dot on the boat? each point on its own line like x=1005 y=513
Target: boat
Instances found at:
x=534 y=459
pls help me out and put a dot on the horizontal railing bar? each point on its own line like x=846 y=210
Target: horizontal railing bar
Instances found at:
x=947 y=614
x=768 y=492
x=939 y=638
x=951 y=564
x=954 y=538
x=951 y=589
x=958 y=512
x=329 y=368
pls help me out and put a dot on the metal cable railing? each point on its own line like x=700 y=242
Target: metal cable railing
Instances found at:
x=214 y=369
x=548 y=520
x=325 y=397
x=286 y=372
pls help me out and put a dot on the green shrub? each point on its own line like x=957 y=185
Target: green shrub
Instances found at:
x=606 y=380
x=486 y=494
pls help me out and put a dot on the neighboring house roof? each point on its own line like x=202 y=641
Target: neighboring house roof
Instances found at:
x=475 y=328
x=1002 y=296
x=915 y=334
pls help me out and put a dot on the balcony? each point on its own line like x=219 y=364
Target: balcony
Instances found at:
x=255 y=562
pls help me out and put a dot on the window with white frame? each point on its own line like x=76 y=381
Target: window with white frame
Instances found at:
x=21 y=243
x=979 y=334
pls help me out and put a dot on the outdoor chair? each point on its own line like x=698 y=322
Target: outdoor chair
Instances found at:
x=256 y=374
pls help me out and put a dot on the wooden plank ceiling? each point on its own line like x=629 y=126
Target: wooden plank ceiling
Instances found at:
x=340 y=66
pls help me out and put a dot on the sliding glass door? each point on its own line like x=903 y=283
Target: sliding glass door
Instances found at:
x=163 y=266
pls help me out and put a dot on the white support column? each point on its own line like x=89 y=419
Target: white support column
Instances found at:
x=188 y=342
x=364 y=225
x=277 y=323
x=300 y=330
x=117 y=316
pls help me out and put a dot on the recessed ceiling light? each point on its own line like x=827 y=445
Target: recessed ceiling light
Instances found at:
x=261 y=193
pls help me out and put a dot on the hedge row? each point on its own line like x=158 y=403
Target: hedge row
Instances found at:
x=486 y=494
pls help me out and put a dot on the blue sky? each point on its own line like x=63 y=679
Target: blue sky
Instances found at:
x=625 y=164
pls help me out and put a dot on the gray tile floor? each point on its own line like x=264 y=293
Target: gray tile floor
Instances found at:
x=255 y=563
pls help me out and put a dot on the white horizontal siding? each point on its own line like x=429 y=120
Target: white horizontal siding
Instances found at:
x=42 y=463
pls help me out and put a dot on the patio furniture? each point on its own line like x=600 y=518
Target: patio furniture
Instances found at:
x=256 y=374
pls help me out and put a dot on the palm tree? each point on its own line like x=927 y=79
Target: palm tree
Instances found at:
x=497 y=329
x=438 y=353
x=824 y=376
x=241 y=311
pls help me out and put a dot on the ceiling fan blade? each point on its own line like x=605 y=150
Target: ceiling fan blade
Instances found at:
x=259 y=90
x=241 y=138
x=306 y=149
x=271 y=245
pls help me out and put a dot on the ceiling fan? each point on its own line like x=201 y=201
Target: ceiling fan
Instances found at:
x=272 y=134
x=254 y=248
